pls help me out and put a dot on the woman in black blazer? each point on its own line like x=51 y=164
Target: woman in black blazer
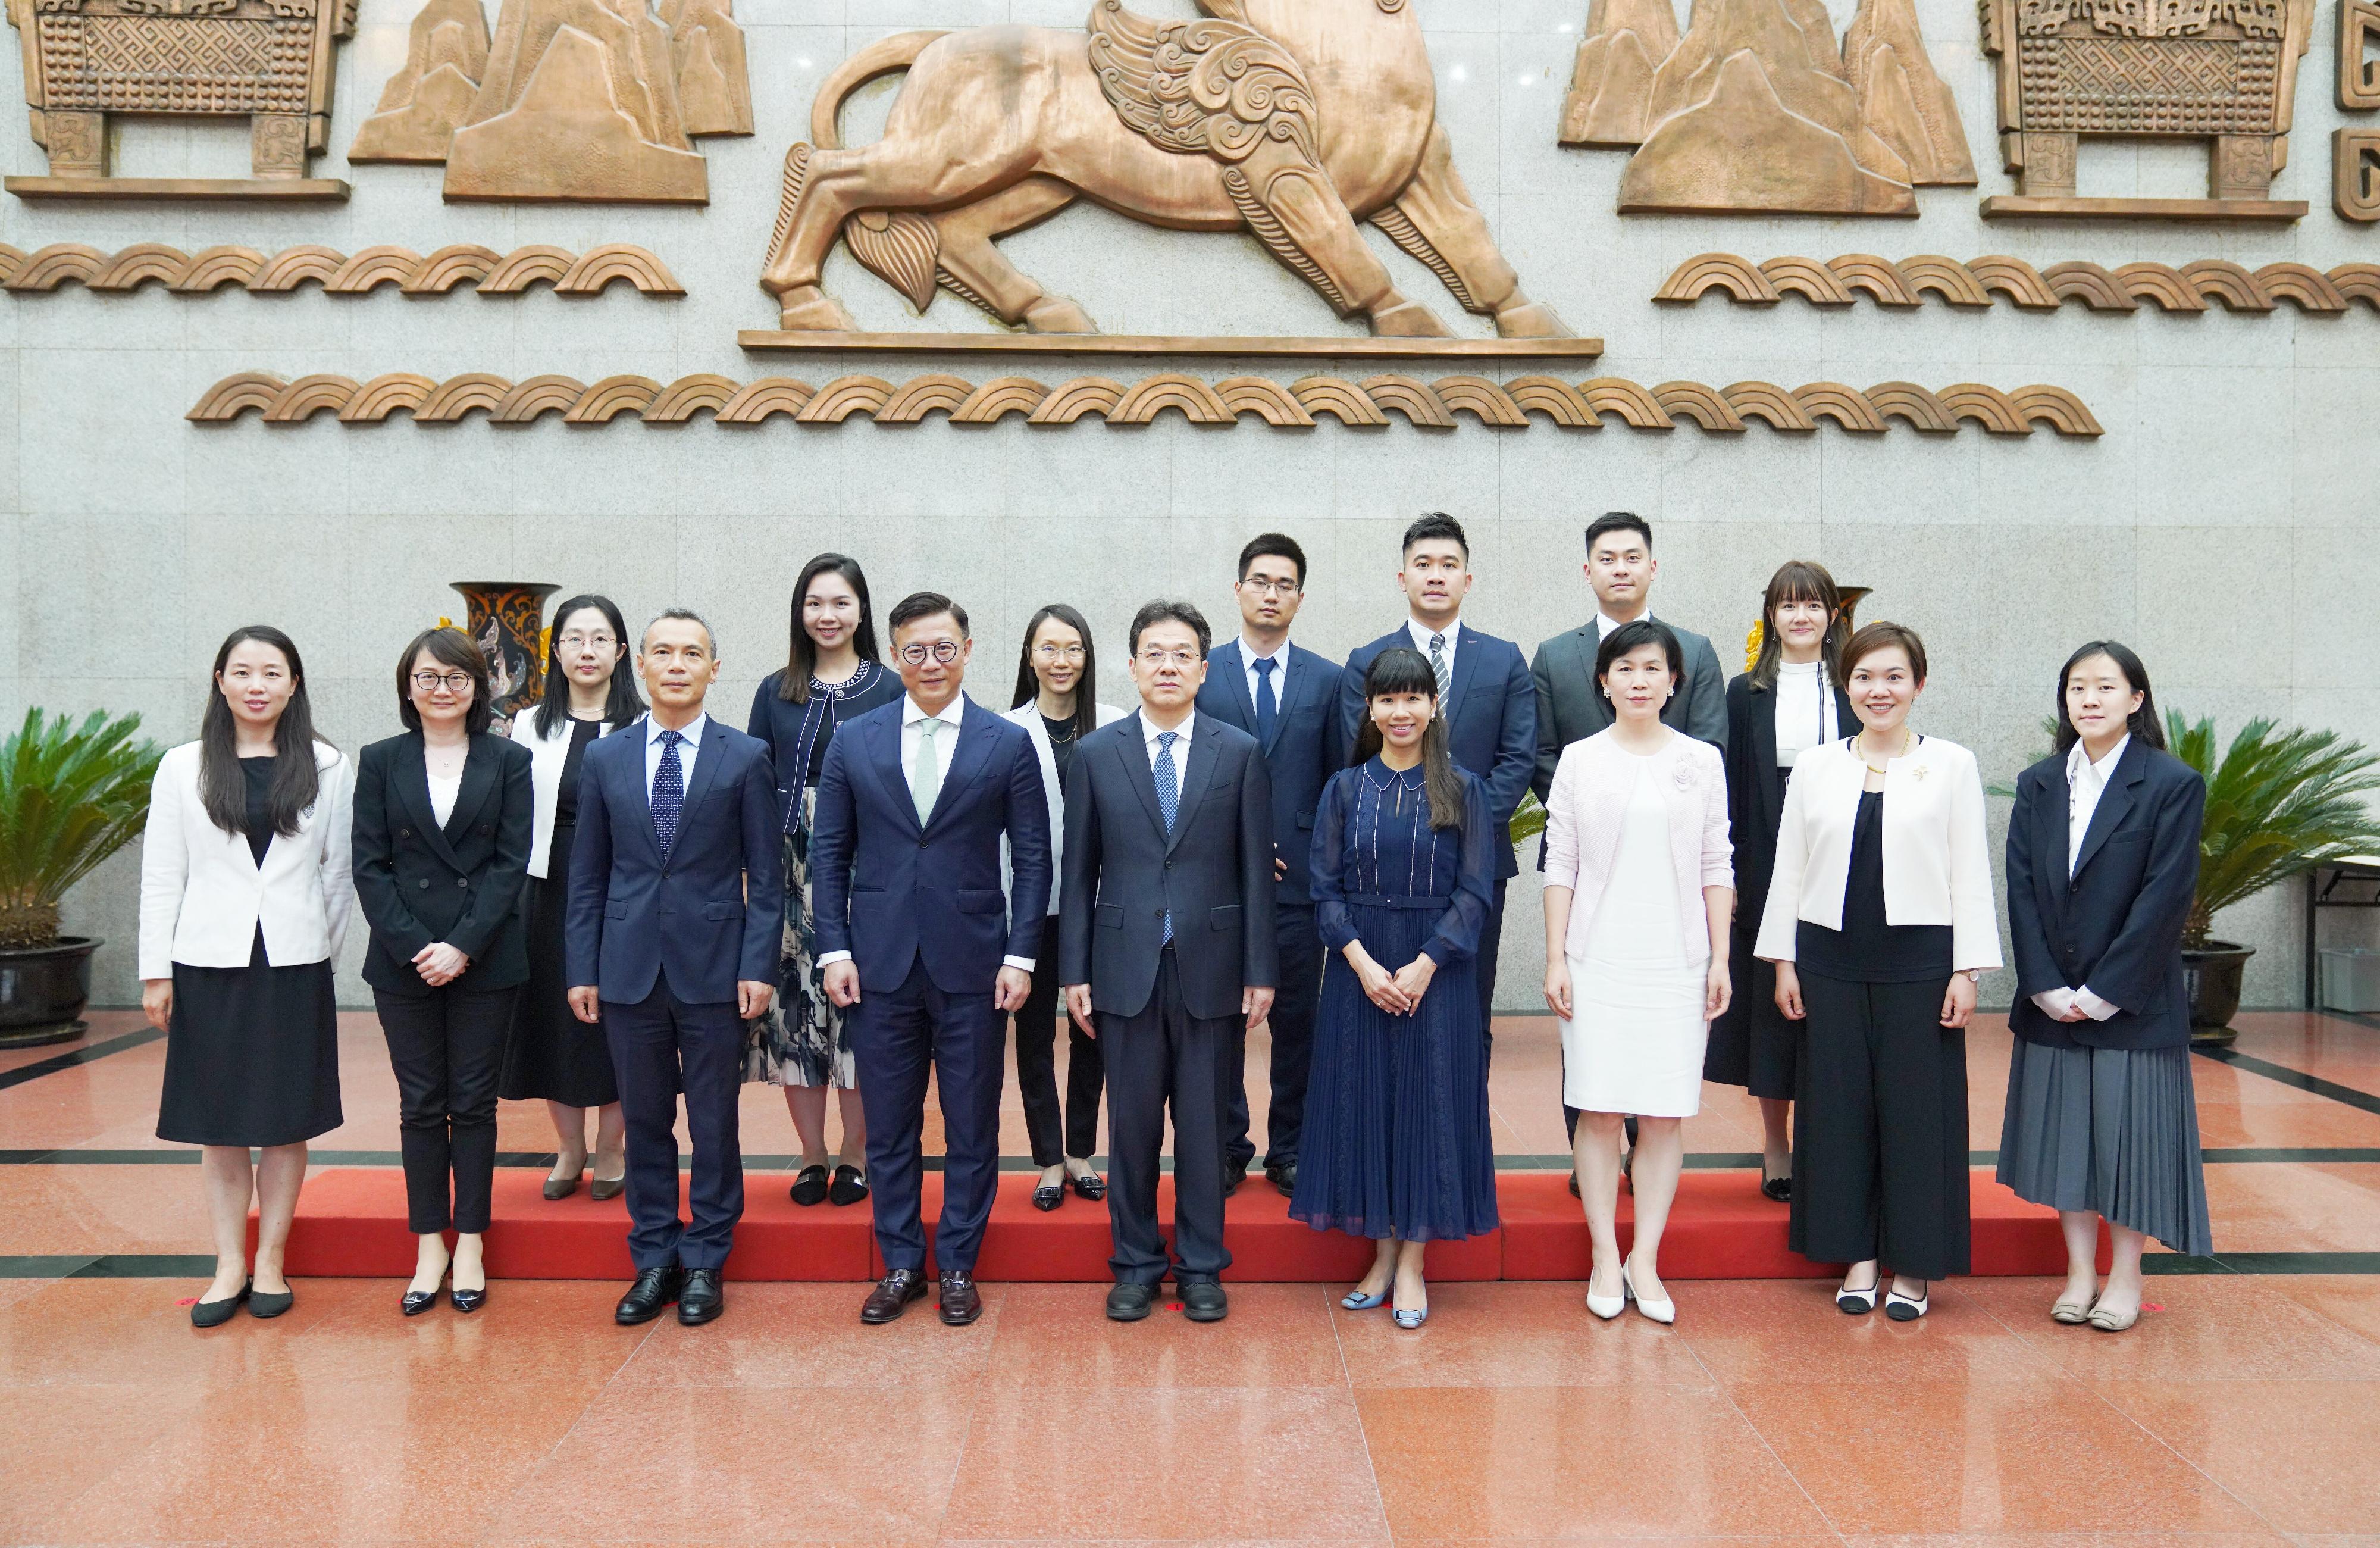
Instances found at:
x=1790 y=700
x=2102 y=869
x=443 y=815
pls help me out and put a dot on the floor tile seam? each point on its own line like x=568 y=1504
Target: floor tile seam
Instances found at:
x=2359 y=1334
x=1355 y=1405
x=2100 y=1396
x=1728 y=1396
x=966 y=1428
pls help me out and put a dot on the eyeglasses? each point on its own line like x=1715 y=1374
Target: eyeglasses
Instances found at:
x=1183 y=660
x=575 y=642
x=1060 y=652
x=944 y=651
x=430 y=682
x=1272 y=587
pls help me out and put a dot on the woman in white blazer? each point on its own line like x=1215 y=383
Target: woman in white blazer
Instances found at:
x=244 y=897
x=1057 y=702
x=552 y=1057
x=1640 y=888
x=1880 y=920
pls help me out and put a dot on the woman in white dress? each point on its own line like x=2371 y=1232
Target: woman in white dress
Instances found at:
x=1640 y=892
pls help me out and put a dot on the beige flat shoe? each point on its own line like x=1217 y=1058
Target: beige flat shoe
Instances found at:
x=2110 y=1322
x=2073 y=1313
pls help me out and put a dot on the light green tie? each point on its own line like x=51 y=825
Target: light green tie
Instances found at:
x=926 y=770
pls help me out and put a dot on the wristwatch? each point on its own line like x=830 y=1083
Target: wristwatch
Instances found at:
x=1972 y=975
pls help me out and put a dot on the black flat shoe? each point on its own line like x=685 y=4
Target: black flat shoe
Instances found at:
x=216 y=1313
x=1094 y=1188
x=467 y=1301
x=850 y=1186
x=416 y=1302
x=810 y=1188
x=1779 y=1189
x=1048 y=1196
x=260 y=1305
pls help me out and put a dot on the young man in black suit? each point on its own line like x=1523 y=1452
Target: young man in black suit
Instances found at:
x=1286 y=697
x=1166 y=949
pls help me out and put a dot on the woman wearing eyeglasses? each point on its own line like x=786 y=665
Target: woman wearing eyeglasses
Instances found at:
x=443 y=817
x=554 y=1058
x=1057 y=702
x=832 y=674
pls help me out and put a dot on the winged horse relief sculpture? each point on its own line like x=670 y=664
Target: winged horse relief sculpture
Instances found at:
x=1294 y=119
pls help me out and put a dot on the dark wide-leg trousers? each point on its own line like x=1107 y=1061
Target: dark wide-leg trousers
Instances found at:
x=1055 y=1136
x=1297 y=1002
x=899 y=1038
x=1880 y=1129
x=447 y=1050
x=661 y=1046
x=1164 y=1055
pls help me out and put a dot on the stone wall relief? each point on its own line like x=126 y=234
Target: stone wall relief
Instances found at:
x=1981 y=282
x=1756 y=108
x=267 y=61
x=211 y=270
x=2355 y=152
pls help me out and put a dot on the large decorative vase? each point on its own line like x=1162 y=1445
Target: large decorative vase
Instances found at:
x=42 y=990
x=507 y=618
x=2211 y=976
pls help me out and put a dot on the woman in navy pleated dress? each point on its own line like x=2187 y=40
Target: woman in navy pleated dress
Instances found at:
x=1397 y=1145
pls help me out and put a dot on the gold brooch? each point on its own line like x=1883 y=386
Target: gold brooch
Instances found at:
x=1918 y=773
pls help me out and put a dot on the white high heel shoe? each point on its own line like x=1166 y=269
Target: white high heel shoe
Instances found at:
x=1664 y=1311
x=1607 y=1307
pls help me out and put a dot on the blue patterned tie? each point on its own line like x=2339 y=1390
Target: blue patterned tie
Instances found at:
x=1168 y=802
x=669 y=793
x=1268 y=706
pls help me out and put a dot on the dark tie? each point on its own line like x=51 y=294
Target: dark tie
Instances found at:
x=1168 y=800
x=1268 y=706
x=669 y=793
x=1437 y=666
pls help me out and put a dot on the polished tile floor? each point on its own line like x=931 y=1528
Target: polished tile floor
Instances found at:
x=2245 y=1408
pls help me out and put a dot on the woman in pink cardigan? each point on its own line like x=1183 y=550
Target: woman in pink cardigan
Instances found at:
x=1640 y=890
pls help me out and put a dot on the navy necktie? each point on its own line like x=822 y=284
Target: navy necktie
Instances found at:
x=1168 y=800
x=669 y=793
x=1268 y=706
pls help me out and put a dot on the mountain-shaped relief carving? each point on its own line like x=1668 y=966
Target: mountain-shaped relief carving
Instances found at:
x=426 y=99
x=1757 y=108
x=715 y=89
x=580 y=102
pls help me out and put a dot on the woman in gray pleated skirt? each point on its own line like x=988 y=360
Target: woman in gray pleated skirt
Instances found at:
x=2102 y=870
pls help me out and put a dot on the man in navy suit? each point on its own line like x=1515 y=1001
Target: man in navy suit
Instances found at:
x=1483 y=694
x=1284 y=696
x=1166 y=950
x=917 y=938
x=676 y=903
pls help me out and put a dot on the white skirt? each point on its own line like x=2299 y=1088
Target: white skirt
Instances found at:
x=1635 y=1045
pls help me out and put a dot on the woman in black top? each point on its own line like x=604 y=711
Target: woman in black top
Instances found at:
x=1789 y=701
x=444 y=814
x=832 y=672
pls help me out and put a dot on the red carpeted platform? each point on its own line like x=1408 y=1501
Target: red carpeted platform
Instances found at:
x=351 y=1222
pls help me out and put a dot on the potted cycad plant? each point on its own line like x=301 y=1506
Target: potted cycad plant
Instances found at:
x=2278 y=804
x=71 y=796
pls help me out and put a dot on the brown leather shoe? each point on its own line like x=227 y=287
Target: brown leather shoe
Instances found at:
x=889 y=1300
x=961 y=1303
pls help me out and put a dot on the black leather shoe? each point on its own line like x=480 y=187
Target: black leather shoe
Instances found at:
x=849 y=1188
x=1232 y=1178
x=1574 y=1183
x=1779 y=1189
x=216 y=1313
x=810 y=1187
x=701 y=1299
x=962 y=1302
x=1094 y=1188
x=654 y=1288
x=469 y=1301
x=1130 y=1303
x=891 y=1297
x=1048 y=1196
x=1204 y=1301
x=264 y=1307
x=416 y=1302
x=1284 y=1178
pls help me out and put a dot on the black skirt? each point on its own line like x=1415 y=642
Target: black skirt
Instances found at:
x=251 y=1054
x=553 y=1055
x=1752 y=1045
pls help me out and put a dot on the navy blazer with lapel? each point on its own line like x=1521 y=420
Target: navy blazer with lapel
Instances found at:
x=1755 y=789
x=890 y=890
x=1491 y=711
x=1123 y=874
x=2116 y=925
x=1303 y=755
x=419 y=881
x=712 y=915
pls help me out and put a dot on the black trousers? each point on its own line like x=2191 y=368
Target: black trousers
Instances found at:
x=1297 y=1001
x=1037 y=1066
x=447 y=1048
x=899 y=1038
x=1165 y=1056
x=662 y=1046
x=1880 y=1129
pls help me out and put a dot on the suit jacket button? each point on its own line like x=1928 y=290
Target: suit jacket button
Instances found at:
x=425 y=884
x=462 y=880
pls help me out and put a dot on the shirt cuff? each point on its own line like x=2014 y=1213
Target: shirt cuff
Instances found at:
x=1022 y=964
x=2091 y=1005
x=830 y=957
x=2055 y=1003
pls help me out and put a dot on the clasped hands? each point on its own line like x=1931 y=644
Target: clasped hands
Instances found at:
x=1399 y=994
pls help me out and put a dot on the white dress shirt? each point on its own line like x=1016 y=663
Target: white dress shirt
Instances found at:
x=946 y=740
x=2085 y=782
x=1805 y=711
x=686 y=752
x=1605 y=623
x=443 y=789
x=1150 y=732
x=1421 y=633
x=1279 y=658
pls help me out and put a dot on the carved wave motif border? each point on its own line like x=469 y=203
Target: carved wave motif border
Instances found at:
x=1977 y=283
x=1369 y=402
x=210 y=269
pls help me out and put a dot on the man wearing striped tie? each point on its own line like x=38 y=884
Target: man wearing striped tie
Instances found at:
x=676 y=906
